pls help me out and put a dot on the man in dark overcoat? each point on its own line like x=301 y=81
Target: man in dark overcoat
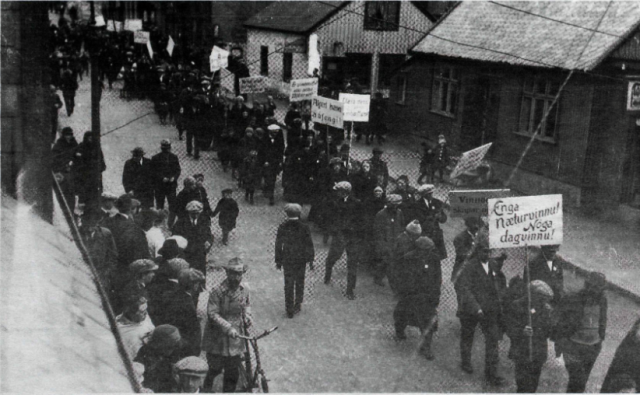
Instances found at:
x=548 y=267
x=404 y=243
x=270 y=156
x=388 y=225
x=167 y=171
x=430 y=212
x=482 y=285
x=63 y=155
x=293 y=251
x=137 y=177
x=228 y=209
x=196 y=228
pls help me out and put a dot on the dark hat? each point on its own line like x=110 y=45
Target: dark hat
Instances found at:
x=345 y=148
x=235 y=265
x=596 y=280
x=165 y=336
x=471 y=221
x=227 y=190
x=378 y=150
x=170 y=248
x=67 y=131
x=141 y=266
x=165 y=143
x=124 y=202
x=138 y=150
x=187 y=277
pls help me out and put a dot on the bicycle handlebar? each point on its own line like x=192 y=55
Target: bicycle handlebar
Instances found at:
x=260 y=336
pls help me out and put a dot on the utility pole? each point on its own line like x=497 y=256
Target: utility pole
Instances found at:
x=94 y=46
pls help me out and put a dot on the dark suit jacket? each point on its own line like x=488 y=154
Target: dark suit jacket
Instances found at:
x=165 y=164
x=345 y=216
x=430 y=219
x=554 y=277
x=181 y=313
x=228 y=210
x=571 y=312
x=463 y=243
x=197 y=235
x=131 y=241
x=293 y=244
x=481 y=291
x=137 y=177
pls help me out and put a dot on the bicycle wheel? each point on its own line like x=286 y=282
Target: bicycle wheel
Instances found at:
x=264 y=384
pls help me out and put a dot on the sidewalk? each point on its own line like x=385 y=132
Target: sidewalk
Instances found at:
x=590 y=243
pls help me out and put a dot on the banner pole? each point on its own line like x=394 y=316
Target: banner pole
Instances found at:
x=328 y=147
x=350 y=142
x=526 y=248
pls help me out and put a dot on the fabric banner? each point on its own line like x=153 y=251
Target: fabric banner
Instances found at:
x=525 y=221
x=356 y=107
x=466 y=203
x=327 y=112
x=133 y=25
x=170 y=46
x=218 y=59
x=100 y=21
x=303 y=89
x=470 y=160
x=141 y=37
x=253 y=84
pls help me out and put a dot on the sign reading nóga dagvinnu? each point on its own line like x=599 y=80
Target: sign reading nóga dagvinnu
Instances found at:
x=466 y=203
x=525 y=221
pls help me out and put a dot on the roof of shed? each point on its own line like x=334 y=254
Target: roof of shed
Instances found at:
x=540 y=33
x=294 y=16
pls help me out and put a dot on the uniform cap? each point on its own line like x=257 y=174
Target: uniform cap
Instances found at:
x=142 y=266
x=190 y=276
x=343 y=186
x=414 y=228
x=175 y=266
x=194 y=206
x=293 y=210
x=541 y=288
x=426 y=188
x=424 y=243
x=191 y=366
x=165 y=143
x=235 y=265
x=393 y=198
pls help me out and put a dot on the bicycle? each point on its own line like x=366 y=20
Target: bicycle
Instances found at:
x=249 y=377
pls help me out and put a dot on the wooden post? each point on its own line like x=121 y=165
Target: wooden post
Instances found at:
x=526 y=248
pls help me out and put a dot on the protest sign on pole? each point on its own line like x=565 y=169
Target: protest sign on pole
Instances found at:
x=118 y=26
x=100 y=21
x=150 y=49
x=253 y=84
x=470 y=160
x=525 y=221
x=218 y=59
x=327 y=112
x=356 y=107
x=170 y=46
x=111 y=26
x=303 y=89
x=133 y=25
x=466 y=203
x=141 y=37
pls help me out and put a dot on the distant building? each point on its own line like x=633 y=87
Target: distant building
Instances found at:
x=487 y=72
x=363 y=40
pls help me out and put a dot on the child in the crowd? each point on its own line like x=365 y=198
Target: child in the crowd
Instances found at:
x=250 y=175
x=228 y=209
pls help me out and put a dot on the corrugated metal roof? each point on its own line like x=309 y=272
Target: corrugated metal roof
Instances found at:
x=55 y=335
x=293 y=16
x=536 y=33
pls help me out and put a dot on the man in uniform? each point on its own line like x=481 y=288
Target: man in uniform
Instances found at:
x=294 y=250
x=167 y=171
x=190 y=373
x=228 y=316
x=345 y=213
x=547 y=266
x=482 y=284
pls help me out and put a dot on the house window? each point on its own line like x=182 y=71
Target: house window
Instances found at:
x=264 y=60
x=287 y=66
x=381 y=15
x=537 y=96
x=444 y=95
x=401 y=88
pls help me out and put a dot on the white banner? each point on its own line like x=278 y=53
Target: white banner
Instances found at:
x=170 y=46
x=100 y=21
x=327 y=112
x=253 y=84
x=118 y=26
x=525 y=221
x=474 y=202
x=133 y=25
x=470 y=160
x=111 y=26
x=218 y=59
x=356 y=107
x=303 y=89
x=141 y=37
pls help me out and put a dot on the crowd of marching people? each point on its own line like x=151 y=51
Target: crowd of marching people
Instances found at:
x=151 y=258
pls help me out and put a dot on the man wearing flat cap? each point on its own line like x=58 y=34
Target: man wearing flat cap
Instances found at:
x=141 y=273
x=293 y=251
x=403 y=244
x=270 y=156
x=166 y=167
x=388 y=225
x=190 y=373
x=345 y=213
x=519 y=331
x=430 y=212
x=228 y=315
x=137 y=177
x=196 y=228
